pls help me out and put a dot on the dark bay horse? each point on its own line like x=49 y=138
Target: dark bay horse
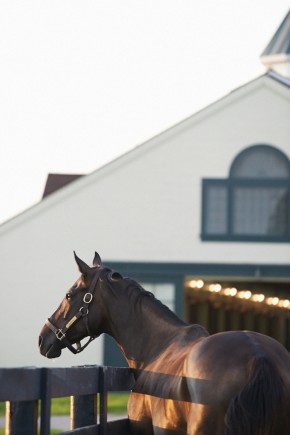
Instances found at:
x=187 y=381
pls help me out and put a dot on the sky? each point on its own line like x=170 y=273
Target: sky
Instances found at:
x=82 y=82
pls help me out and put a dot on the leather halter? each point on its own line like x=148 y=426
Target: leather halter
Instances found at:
x=82 y=313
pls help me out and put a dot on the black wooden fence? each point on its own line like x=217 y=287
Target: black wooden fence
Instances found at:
x=28 y=392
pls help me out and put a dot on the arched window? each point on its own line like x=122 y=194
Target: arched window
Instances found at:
x=253 y=203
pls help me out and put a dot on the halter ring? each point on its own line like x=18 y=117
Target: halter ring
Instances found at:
x=88 y=298
x=84 y=311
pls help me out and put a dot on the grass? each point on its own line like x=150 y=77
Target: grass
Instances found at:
x=117 y=404
x=60 y=406
x=52 y=431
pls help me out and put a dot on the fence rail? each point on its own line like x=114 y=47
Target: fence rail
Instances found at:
x=23 y=389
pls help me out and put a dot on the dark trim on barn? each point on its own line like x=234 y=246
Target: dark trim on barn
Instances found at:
x=171 y=270
x=175 y=273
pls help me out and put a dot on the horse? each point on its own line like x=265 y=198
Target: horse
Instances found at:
x=187 y=381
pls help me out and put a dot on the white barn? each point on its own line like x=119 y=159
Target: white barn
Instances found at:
x=204 y=203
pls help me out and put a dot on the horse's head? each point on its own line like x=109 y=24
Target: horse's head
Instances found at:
x=72 y=321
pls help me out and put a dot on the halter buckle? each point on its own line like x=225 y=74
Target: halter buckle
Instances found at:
x=60 y=335
x=88 y=298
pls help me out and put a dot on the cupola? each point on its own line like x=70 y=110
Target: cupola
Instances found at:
x=276 y=56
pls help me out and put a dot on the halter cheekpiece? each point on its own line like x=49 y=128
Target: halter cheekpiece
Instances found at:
x=82 y=313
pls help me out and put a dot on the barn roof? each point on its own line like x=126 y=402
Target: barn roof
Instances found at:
x=277 y=82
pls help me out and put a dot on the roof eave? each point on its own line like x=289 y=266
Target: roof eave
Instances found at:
x=275 y=58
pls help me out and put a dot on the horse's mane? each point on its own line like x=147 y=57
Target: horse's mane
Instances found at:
x=138 y=295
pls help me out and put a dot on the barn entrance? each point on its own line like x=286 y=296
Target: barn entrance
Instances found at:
x=224 y=304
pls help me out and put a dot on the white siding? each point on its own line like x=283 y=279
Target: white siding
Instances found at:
x=145 y=206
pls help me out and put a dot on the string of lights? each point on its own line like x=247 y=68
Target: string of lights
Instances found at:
x=198 y=285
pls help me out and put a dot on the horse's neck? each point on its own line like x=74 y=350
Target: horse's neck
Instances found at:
x=142 y=327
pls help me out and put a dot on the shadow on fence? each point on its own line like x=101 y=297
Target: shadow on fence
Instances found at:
x=23 y=388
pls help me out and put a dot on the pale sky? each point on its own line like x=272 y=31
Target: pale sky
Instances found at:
x=82 y=82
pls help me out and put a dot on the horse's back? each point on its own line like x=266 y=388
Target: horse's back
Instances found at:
x=224 y=352
x=222 y=365
x=200 y=387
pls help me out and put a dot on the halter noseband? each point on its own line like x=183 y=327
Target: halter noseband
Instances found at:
x=82 y=313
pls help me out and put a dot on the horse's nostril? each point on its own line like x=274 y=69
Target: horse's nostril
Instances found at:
x=40 y=339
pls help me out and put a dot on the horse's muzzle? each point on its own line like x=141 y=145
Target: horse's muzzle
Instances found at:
x=49 y=350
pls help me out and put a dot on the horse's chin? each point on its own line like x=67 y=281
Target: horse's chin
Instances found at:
x=53 y=352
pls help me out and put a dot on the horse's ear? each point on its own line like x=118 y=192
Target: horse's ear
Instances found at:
x=97 y=260
x=83 y=267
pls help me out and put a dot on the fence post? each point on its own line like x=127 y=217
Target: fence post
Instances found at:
x=103 y=401
x=21 y=418
x=45 y=401
x=82 y=411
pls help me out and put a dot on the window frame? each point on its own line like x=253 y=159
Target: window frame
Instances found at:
x=230 y=184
